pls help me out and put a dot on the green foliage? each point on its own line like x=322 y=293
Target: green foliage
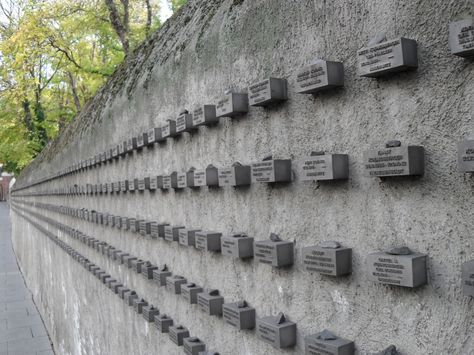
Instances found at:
x=54 y=55
x=176 y=4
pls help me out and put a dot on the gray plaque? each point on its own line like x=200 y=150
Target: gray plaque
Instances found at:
x=318 y=76
x=128 y=260
x=205 y=116
x=124 y=185
x=199 y=178
x=237 y=175
x=138 y=305
x=267 y=92
x=210 y=302
x=160 y=275
x=153 y=185
x=130 y=296
x=190 y=292
x=211 y=176
x=324 y=167
x=140 y=141
x=149 y=313
x=328 y=260
x=181 y=180
x=169 y=130
x=208 y=241
x=125 y=223
x=147 y=270
x=190 y=178
x=395 y=161
x=232 y=105
x=157 y=230
x=388 y=57
x=239 y=315
x=122 y=148
x=141 y=184
x=178 y=333
x=276 y=331
x=193 y=346
x=172 y=233
x=328 y=344
x=275 y=252
x=173 y=283
x=270 y=171
x=153 y=135
x=163 y=323
x=237 y=245
x=466 y=156
x=131 y=144
x=187 y=237
x=461 y=37
x=131 y=185
x=134 y=225
x=184 y=123
x=166 y=182
x=468 y=278
x=400 y=270
x=137 y=265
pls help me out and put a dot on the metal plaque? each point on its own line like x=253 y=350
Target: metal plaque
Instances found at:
x=238 y=175
x=190 y=292
x=210 y=302
x=275 y=253
x=271 y=171
x=199 y=178
x=166 y=182
x=387 y=57
x=172 y=233
x=163 y=323
x=276 y=331
x=153 y=135
x=461 y=37
x=400 y=270
x=181 y=180
x=237 y=245
x=149 y=313
x=395 y=161
x=187 y=237
x=208 y=241
x=328 y=261
x=193 y=346
x=141 y=141
x=232 y=105
x=141 y=184
x=205 y=116
x=324 y=167
x=466 y=156
x=467 y=277
x=267 y=92
x=174 y=282
x=177 y=333
x=328 y=344
x=318 y=76
x=160 y=275
x=239 y=315
x=184 y=123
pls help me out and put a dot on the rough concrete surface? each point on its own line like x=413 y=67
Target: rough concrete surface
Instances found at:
x=211 y=46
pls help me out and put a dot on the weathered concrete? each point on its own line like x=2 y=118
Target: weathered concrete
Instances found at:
x=22 y=331
x=214 y=45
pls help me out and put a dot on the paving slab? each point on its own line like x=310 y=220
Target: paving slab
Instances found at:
x=22 y=331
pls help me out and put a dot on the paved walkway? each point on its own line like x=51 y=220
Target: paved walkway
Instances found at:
x=21 y=329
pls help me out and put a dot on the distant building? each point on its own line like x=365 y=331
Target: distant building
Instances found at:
x=5 y=180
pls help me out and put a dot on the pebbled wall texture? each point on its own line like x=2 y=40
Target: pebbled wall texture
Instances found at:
x=214 y=45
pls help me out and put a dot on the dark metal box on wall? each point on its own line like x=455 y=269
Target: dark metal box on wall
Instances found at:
x=238 y=245
x=174 y=282
x=394 y=160
x=232 y=105
x=157 y=229
x=166 y=179
x=141 y=184
x=398 y=266
x=320 y=166
x=271 y=171
x=153 y=135
x=193 y=346
x=177 y=333
x=184 y=123
x=208 y=241
x=318 y=76
x=205 y=115
x=210 y=302
x=267 y=92
x=328 y=258
x=181 y=180
x=124 y=185
x=274 y=251
x=147 y=270
x=461 y=37
x=236 y=175
x=387 y=57
x=190 y=292
x=149 y=313
x=327 y=343
x=467 y=276
x=172 y=233
x=168 y=130
x=187 y=237
x=163 y=323
x=239 y=315
x=160 y=275
x=276 y=331
x=466 y=156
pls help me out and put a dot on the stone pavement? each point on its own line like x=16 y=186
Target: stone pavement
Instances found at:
x=22 y=331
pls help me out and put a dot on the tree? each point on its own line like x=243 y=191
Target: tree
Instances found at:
x=54 y=55
x=176 y=4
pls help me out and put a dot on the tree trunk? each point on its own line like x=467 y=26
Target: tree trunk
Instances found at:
x=148 y=17
x=75 y=95
x=120 y=25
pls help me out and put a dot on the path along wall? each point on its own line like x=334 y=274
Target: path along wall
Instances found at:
x=204 y=50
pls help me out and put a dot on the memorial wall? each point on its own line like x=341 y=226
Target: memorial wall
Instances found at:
x=265 y=177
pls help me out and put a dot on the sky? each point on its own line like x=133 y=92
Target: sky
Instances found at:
x=165 y=10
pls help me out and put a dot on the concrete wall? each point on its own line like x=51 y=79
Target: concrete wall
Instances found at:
x=214 y=45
